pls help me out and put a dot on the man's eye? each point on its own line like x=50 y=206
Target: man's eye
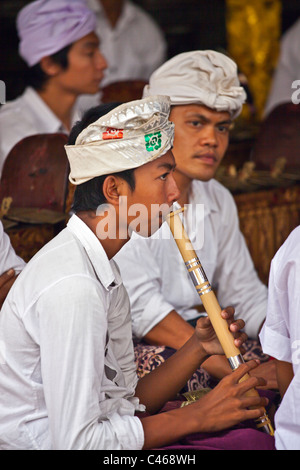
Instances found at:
x=195 y=123
x=164 y=176
x=223 y=129
x=90 y=52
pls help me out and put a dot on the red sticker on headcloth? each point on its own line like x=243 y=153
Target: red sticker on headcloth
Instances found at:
x=112 y=133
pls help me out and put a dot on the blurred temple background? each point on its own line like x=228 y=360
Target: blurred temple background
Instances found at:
x=248 y=31
x=262 y=168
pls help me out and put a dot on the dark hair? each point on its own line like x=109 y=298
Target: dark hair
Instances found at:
x=89 y=195
x=35 y=75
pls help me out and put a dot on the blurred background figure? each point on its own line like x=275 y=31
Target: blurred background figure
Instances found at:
x=287 y=71
x=130 y=40
x=133 y=45
x=61 y=50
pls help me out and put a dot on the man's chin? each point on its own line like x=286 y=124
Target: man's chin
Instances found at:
x=203 y=173
x=205 y=177
x=207 y=173
x=147 y=232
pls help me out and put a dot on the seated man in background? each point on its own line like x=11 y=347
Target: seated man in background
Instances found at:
x=59 y=45
x=130 y=40
x=206 y=97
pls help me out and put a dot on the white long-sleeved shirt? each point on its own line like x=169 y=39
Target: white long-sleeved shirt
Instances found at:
x=280 y=336
x=8 y=256
x=67 y=372
x=134 y=48
x=27 y=115
x=157 y=280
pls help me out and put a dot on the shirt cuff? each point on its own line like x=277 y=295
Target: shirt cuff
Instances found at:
x=129 y=431
x=275 y=345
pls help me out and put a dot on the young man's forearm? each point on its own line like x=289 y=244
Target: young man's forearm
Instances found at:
x=285 y=374
x=167 y=428
x=173 y=331
x=163 y=383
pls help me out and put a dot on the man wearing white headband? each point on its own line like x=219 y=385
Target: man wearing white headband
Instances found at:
x=67 y=373
x=206 y=97
x=60 y=47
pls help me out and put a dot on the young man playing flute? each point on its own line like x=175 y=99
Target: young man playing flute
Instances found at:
x=67 y=373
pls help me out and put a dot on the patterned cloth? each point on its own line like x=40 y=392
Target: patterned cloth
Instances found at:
x=148 y=357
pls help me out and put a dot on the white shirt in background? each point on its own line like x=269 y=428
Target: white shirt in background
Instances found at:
x=8 y=257
x=280 y=336
x=134 y=48
x=26 y=115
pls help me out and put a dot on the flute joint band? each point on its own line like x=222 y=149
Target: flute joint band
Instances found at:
x=235 y=361
x=265 y=425
x=198 y=276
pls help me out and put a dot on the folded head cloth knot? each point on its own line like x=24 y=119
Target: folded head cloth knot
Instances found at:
x=47 y=26
x=208 y=78
x=127 y=137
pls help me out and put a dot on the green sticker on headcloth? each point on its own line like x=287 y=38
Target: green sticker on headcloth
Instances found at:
x=153 y=141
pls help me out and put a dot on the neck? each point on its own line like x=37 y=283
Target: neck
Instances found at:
x=113 y=10
x=60 y=103
x=184 y=186
x=114 y=241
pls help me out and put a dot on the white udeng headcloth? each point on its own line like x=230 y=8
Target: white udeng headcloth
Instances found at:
x=200 y=77
x=127 y=137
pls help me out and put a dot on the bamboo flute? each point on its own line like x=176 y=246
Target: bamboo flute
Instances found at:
x=211 y=304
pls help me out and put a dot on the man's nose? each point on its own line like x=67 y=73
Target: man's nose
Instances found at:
x=101 y=62
x=173 y=191
x=209 y=136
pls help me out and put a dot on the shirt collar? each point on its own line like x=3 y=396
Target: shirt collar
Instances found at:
x=200 y=194
x=105 y=269
x=127 y=15
x=47 y=118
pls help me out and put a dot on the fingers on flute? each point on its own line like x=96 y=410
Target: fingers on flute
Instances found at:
x=256 y=404
x=253 y=407
x=240 y=339
x=228 y=313
x=235 y=325
x=244 y=369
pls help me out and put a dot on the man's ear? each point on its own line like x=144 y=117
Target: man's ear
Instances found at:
x=113 y=188
x=50 y=67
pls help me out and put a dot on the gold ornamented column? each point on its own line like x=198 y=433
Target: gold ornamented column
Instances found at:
x=253 y=35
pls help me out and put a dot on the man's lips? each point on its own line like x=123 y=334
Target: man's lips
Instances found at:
x=208 y=158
